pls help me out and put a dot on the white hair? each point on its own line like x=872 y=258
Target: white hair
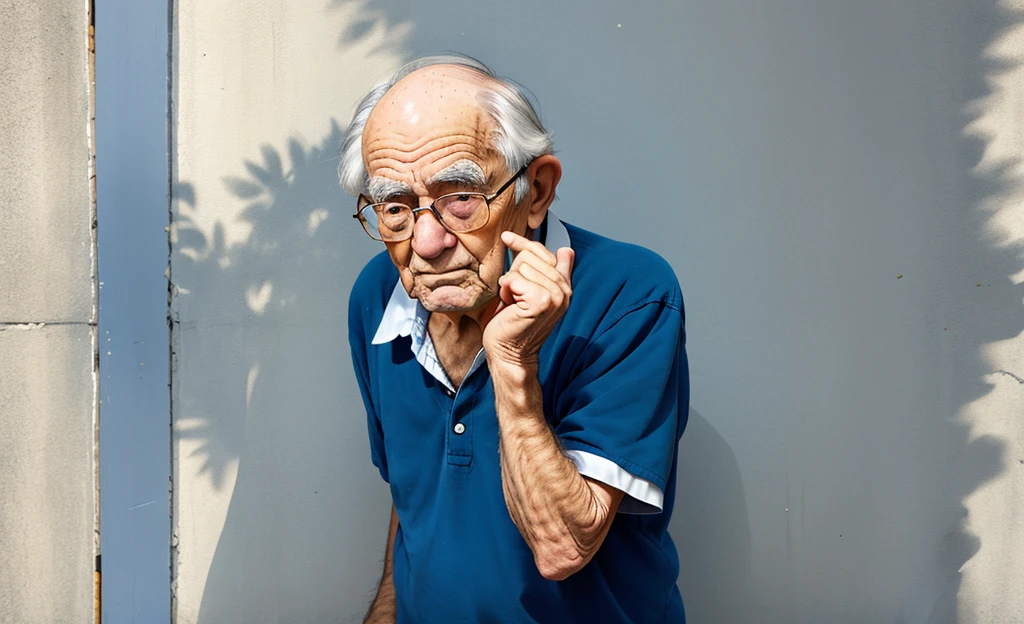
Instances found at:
x=519 y=136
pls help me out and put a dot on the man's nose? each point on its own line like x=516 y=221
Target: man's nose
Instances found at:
x=429 y=238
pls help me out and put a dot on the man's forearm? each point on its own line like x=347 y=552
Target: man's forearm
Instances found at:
x=562 y=516
x=384 y=609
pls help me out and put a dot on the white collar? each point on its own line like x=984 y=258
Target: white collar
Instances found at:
x=402 y=311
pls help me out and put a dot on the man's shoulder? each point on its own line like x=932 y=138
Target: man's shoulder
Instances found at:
x=626 y=273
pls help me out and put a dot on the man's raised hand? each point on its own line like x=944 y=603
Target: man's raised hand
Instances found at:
x=534 y=295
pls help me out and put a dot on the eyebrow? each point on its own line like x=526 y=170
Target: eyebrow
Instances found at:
x=465 y=173
x=383 y=189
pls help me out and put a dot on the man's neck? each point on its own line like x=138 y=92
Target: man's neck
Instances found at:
x=458 y=337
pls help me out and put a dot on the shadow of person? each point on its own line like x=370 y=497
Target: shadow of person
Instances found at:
x=711 y=517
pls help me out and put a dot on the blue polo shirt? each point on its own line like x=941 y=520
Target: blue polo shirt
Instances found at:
x=616 y=392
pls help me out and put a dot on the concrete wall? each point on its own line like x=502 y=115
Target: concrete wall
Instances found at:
x=838 y=187
x=47 y=316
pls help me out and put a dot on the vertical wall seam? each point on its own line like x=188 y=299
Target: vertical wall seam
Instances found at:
x=90 y=130
x=173 y=537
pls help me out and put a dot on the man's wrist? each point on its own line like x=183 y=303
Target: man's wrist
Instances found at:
x=511 y=374
x=499 y=354
x=516 y=387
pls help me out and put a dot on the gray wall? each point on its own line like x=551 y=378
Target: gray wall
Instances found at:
x=838 y=187
x=47 y=316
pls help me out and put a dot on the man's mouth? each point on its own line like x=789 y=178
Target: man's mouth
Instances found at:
x=451 y=277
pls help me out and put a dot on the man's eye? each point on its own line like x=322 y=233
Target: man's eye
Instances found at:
x=393 y=209
x=462 y=198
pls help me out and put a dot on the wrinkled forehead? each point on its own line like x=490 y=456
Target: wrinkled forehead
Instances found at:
x=430 y=108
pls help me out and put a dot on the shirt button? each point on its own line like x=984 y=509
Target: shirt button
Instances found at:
x=459 y=428
x=448 y=392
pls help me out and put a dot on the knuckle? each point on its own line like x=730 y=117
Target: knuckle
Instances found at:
x=540 y=251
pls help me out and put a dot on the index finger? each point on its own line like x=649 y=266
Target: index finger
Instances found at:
x=519 y=243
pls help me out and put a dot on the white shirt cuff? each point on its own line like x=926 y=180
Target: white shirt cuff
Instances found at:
x=642 y=496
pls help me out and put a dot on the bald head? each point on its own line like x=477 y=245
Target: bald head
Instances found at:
x=435 y=90
x=427 y=122
x=435 y=93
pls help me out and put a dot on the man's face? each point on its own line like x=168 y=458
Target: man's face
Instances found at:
x=428 y=137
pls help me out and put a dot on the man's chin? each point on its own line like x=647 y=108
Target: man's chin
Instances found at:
x=451 y=299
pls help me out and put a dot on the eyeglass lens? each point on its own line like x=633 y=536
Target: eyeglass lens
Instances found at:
x=394 y=221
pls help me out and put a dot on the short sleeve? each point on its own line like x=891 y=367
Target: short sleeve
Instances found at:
x=629 y=398
x=361 y=366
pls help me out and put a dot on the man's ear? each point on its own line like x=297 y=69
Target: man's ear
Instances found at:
x=543 y=175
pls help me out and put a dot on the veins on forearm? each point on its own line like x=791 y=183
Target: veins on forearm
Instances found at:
x=554 y=507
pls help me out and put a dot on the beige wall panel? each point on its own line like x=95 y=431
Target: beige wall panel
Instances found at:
x=46 y=465
x=45 y=245
x=47 y=396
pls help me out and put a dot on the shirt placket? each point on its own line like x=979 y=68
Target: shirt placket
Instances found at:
x=460 y=418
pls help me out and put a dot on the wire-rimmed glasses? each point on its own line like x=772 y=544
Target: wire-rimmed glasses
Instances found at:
x=459 y=212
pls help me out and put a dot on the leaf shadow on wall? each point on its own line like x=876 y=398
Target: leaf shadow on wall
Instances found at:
x=268 y=399
x=985 y=308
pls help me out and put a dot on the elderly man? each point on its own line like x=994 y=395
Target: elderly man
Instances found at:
x=525 y=381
